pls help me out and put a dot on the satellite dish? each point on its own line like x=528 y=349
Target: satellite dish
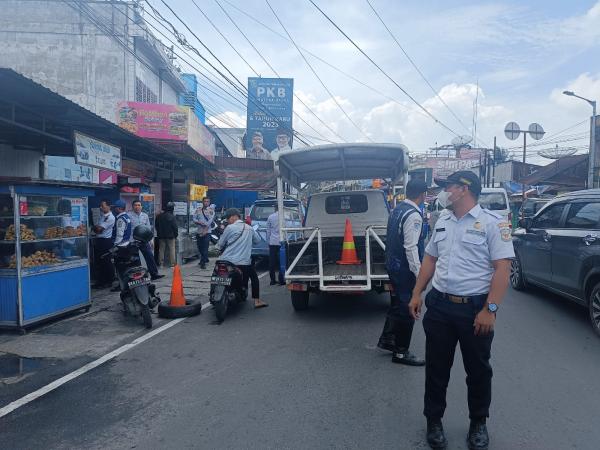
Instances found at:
x=536 y=131
x=459 y=141
x=512 y=130
x=557 y=152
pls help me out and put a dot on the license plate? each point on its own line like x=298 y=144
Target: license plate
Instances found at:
x=223 y=281
x=140 y=282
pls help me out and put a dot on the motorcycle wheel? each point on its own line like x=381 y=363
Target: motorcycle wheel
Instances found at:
x=146 y=316
x=221 y=302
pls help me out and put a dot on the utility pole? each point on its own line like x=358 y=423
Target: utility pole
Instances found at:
x=494 y=164
x=512 y=131
x=592 y=178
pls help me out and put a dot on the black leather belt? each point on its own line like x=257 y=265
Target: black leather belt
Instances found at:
x=457 y=298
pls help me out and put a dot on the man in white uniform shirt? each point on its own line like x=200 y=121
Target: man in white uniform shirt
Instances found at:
x=105 y=272
x=274 y=247
x=139 y=217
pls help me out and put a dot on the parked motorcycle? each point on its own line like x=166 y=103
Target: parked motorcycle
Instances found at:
x=138 y=293
x=216 y=230
x=226 y=288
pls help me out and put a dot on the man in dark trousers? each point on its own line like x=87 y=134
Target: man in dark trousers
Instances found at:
x=105 y=272
x=468 y=260
x=167 y=232
x=403 y=262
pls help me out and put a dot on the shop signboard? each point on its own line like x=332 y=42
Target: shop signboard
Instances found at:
x=197 y=192
x=93 y=152
x=269 y=116
x=154 y=121
x=64 y=168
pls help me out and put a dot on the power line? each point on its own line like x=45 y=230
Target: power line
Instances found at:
x=208 y=71
x=183 y=41
x=435 y=119
x=277 y=74
x=323 y=61
x=225 y=38
x=416 y=67
x=316 y=74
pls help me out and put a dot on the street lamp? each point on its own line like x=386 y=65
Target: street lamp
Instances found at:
x=592 y=158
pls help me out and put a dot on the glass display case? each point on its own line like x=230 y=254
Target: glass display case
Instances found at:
x=44 y=261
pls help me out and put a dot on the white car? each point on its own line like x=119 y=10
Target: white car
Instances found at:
x=494 y=199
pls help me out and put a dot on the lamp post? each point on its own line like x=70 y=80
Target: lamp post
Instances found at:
x=591 y=183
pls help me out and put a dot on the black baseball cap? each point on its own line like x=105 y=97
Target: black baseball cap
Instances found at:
x=462 y=177
x=415 y=188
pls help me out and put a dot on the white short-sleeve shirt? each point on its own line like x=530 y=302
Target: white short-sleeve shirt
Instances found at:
x=465 y=249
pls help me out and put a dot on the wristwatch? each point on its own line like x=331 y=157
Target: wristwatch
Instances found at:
x=492 y=307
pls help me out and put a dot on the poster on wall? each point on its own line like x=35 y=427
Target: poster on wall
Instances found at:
x=269 y=119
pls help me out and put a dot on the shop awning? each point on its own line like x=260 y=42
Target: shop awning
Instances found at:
x=35 y=117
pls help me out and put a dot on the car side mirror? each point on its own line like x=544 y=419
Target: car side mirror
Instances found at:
x=525 y=223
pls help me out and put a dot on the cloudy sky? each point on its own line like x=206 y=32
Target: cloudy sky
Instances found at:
x=522 y=55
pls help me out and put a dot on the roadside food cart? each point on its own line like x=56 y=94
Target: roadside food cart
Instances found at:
x=44 y=257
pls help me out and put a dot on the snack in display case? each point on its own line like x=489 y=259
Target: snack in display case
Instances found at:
x=37 y=259
x=26 y=233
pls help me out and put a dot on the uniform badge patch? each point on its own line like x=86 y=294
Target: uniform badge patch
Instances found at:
x=477 y=225
x=505 y=231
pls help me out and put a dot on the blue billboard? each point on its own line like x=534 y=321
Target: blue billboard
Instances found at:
x=269 y=121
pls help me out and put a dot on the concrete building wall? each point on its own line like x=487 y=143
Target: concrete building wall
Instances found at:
x=81 y=54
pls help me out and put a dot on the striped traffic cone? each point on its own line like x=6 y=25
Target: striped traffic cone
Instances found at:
x=348 y=248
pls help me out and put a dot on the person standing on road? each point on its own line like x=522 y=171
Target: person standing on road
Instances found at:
x=105 y=272
x=468 y=258
x=274 y=247
x=204 y=217
x=236 y=246
x=139 y=217
x=404 y=239
x=167 y=232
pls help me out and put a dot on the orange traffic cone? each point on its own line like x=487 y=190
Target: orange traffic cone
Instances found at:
x=177 y=295
x=348 y=249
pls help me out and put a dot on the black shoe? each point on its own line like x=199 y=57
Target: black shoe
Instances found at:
x=435 y=434
x=387 y=342
x=116 y=289
x=100 y=286
x=478 y=438
x=273 y=283
x=407 y=358
x=203 y=266
x=156 y=277
x=282 y=283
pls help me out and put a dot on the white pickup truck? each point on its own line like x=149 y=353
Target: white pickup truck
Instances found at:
x=312 y=262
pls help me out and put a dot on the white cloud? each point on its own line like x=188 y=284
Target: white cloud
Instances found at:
x=228 y=119
x=585 y=85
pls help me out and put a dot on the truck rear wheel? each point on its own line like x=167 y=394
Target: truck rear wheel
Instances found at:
x=300 y=300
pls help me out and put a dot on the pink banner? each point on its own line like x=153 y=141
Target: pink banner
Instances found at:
x=150 y=120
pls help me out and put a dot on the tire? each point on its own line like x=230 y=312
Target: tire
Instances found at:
x=594 y=308
x=220 y=306
x=191 y=308
x=299 y=300
x=517 y=281
x=146 y=316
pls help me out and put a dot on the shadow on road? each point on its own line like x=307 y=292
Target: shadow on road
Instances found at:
x=327 y=307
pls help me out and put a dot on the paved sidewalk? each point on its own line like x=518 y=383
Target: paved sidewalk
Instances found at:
x=86 y=336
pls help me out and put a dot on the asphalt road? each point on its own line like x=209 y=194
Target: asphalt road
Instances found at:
x=273 y=378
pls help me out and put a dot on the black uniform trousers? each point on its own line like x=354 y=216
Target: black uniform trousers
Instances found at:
x=249 y=273
x=446 y=324
x=398 y=315
x=105 y=271
x=274 y=265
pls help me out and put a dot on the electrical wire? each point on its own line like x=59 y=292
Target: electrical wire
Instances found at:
x=416 y=67
x=183 y=41
x=435 y=119
x=317 y=75
x=325 y=62
x=278 y=76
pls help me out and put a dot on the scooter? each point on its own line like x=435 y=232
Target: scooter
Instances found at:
x=217 y=230
x=138 y=293
x=226 y=288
